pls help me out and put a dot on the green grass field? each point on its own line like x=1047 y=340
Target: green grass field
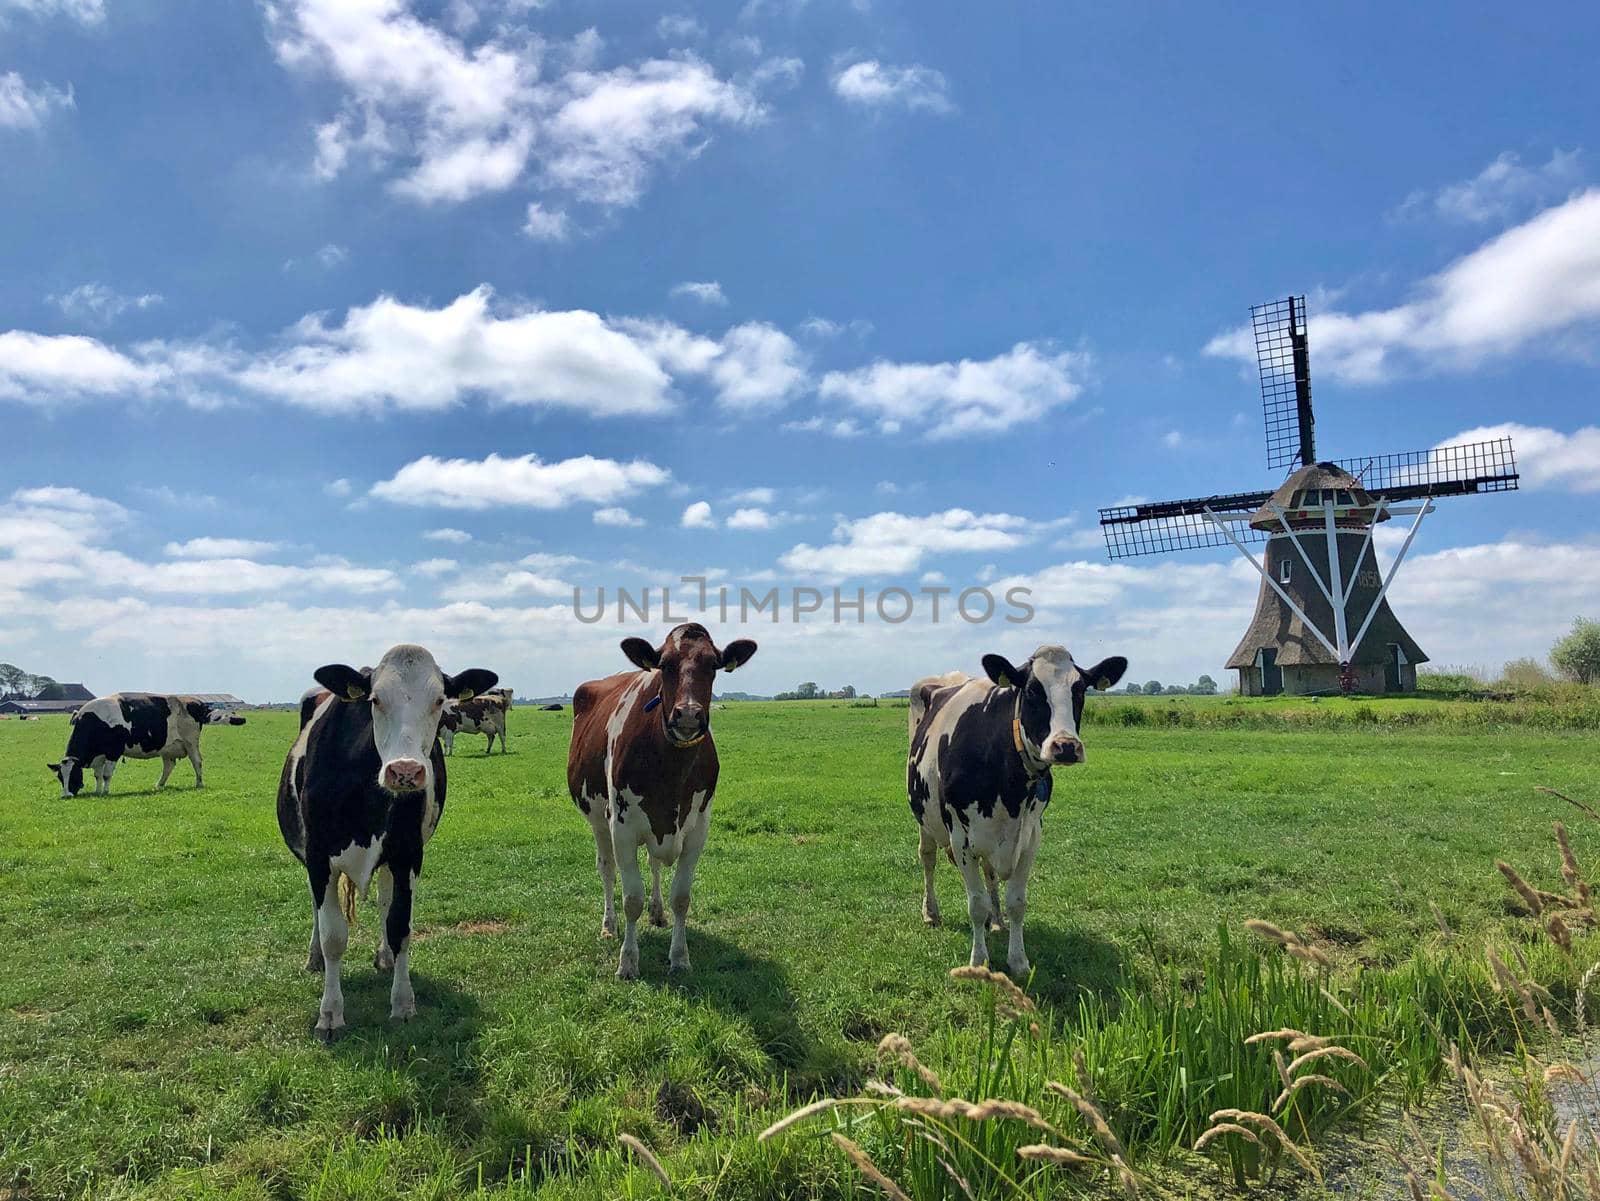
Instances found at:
x=155 y=1021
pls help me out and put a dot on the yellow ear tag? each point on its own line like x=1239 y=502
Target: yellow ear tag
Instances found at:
x=353 y=692
x=1102 y=683
x=731 y=667
x=464 y=695
x=1005 y=680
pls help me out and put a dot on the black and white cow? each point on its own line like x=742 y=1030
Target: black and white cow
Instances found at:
x=361 y=793
x=978 y=777
x=135 y=725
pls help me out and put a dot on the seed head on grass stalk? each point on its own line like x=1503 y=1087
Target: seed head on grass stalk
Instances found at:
x=867 y=1168
x=647 y=1157
x=1041 y=1153
x=899 y=1046
x=1558 y=932
x=1015 y=1001
x=1521 y=887
x=995 y=1108
x=1222 y=1128
x=1324 y=1053
x=795 y=1118
x=1091 y=1114
x=1262 y=1122
x=1296 y=1085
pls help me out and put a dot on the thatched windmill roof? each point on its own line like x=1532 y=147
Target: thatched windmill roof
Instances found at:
x=1305 y=491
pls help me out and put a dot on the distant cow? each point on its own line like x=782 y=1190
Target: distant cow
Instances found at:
x=135 y=725
x=978 y=777
x=643 y=770
x=360 y=795
x=484 y=714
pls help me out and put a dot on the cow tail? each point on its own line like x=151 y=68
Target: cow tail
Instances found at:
x=347 y=897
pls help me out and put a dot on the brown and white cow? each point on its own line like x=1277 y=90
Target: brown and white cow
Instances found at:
x=643 y=770
x=978 y=777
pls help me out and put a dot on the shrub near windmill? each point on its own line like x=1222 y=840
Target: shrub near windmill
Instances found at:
x=1322 y=617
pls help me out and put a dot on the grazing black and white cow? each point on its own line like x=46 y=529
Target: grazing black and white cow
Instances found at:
x=978 y=777
x=481 y=715
x=361 y=793
x=642 y=768
x=135 y=725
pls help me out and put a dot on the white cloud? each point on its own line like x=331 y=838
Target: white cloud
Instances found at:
x=461 y=118
x=100 y=305
x=546 y=225
x=679 y=27
x=1502 y=190
x=220 y=548
x=705 y=291
x=837 y=427
x=85 y=12
x=434 y=567
x=43 y=369
x=895 y=543
x=1546 y=458
x=22 y=107
x=525 y=481
x=331 y=255
x=750 y=519
x=339 y=488
x=754 y=496
x=952 y=400
x=447 y=535
x=698 y=517
x=1172 y=439
x=391 y=354
x=615 y=515
x=1535 y=287
x=759 y=368
x=877 y=85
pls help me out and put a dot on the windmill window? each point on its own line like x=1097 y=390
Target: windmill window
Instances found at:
x=1286 y=570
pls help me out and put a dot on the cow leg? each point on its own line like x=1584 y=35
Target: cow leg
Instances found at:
x=1017 y=908
x=977 y=905
x=314 y=955
x=995 y=922
x=928 y=852
x=605 y=859
x=658 y=915
x=627 y=852
x=166 y=770
x=102 y=777
x=194 y=758
x=335 y=936
x=383 y=957
x=694 y=841
x=397 y=937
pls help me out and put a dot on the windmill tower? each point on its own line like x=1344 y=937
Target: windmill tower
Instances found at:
x=1322 y=619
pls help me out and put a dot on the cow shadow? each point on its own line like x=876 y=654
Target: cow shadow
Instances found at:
x=1067 y=963
x=423 y=1068
x=746 y=987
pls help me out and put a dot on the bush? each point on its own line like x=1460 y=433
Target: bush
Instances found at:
x=1524 y=675
x=1577 y=656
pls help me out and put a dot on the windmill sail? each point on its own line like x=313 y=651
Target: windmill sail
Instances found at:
x=1471 y=467
x=1285 y=361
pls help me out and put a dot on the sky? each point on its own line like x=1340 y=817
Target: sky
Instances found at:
x=327 y=325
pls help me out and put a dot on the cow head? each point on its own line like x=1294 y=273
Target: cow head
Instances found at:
x=407 y=692
x=688 y=661
x=70 y=772
x=1051 y=689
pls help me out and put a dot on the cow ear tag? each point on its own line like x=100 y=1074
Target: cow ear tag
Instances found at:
x=1102 y=683
x=652 y=703
x=464 y=695
x=1005 y=680
x=352 y=692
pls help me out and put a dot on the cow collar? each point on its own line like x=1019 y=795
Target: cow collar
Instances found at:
x=1034 y=764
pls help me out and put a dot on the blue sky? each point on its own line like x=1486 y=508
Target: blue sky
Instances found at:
x=900 y=295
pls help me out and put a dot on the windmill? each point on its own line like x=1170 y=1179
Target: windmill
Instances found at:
x=1322 y=619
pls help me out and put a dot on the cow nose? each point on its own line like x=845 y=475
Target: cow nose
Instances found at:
x=403 y=775
x=1065 y=748
x=688 y=715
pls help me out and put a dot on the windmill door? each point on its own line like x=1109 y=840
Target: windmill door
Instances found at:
x=1391 y=668
x=1271 y=673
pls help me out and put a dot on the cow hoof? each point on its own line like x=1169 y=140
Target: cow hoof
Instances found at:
x=383 y=961
x=1018 y=969
x=315 y=963
x=931 y=917
x=328 y=1035
x=658 y=918
x=608 y=929
x=403 y=1012
x=678 y=967
x=627 y=971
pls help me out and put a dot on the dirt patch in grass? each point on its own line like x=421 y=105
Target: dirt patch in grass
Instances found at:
x=472 y=926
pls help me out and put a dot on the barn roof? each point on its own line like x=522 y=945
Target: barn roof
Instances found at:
x=16 y=706
x=215 y=698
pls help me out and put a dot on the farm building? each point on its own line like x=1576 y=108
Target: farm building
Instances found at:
x=71 y=698
x=217 y=700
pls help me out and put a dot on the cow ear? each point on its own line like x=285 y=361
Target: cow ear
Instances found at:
x=346 y=683
x=641 y=654
x=999 y=669
x=468 y=684
x=55 y=768
x=1107 y=672
x=737 y=653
